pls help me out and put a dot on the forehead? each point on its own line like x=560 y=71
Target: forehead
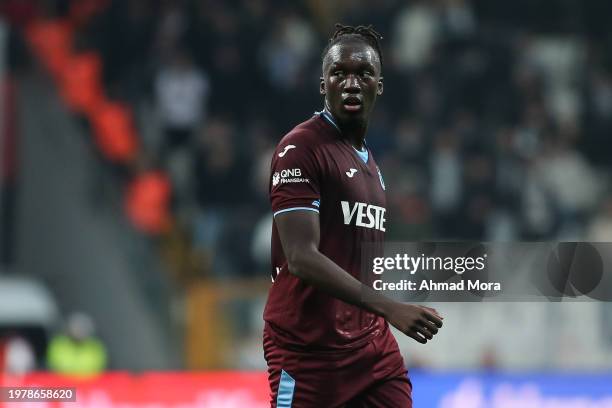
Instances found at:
x=351 y=52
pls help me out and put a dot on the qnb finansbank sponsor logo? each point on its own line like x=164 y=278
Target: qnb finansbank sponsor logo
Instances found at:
x=288 y=176
x=364 y=215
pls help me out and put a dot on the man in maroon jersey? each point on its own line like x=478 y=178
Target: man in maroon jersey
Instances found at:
x=325 y=346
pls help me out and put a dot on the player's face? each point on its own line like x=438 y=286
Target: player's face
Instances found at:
x=351 y=81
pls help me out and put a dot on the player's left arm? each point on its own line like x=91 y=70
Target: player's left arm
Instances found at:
x=299 y=233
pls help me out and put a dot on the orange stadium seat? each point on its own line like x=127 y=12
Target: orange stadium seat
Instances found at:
x=147 y=202
x=79 y=79
x=114 y=132
x=52 y=43
x=81 y=84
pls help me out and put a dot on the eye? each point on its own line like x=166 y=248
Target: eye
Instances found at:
x=338 y=72
x=367 y=74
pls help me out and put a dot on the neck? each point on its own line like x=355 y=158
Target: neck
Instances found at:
x=354 y=132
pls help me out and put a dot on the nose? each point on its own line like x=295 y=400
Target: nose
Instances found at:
x=351 y=85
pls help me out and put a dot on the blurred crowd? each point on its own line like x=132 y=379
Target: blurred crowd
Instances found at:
x=494 y=125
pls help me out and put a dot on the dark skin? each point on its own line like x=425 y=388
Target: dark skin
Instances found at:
x=351 y=72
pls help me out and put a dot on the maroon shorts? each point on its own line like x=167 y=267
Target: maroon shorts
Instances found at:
x=372 y=376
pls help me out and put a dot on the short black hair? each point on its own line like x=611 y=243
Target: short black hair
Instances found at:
x=367 y=34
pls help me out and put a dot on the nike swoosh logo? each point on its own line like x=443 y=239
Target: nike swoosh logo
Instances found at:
x=287 y=148
x=351 y=172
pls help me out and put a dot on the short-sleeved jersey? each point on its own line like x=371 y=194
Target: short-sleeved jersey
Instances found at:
x=315 y=169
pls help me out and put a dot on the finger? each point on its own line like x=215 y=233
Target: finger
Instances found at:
x=434 y=319
x=417 y=336
x=434 y=311
x=425 y=332
x=429 y=326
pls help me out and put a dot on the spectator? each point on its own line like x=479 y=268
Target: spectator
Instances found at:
x=446 y=190
x=181 y=91
x=287 y=50
x=223 y=189
x=477 y=197
x=417 y=28
x=77 y=352
x=459 y=19
x=16 y=355
x=571 y=183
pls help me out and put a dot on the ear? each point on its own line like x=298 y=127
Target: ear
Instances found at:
x=380 y=86
x=322 y=86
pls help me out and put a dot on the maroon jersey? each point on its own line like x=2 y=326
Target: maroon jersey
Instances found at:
x=315 y=169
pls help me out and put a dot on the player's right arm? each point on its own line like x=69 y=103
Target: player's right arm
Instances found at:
x=299 y=233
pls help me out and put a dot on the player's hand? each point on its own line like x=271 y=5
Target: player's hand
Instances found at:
x=419 y=322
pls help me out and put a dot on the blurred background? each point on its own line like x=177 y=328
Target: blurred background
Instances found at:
x=136 y=137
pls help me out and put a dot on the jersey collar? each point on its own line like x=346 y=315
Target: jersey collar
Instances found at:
x=327 y=116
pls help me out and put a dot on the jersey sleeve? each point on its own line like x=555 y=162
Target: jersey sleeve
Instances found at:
x=295 y=177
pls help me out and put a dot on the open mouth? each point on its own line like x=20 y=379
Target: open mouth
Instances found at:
x=352 y=103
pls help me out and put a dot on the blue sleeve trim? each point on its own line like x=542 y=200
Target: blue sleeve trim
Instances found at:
x=296 y=209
